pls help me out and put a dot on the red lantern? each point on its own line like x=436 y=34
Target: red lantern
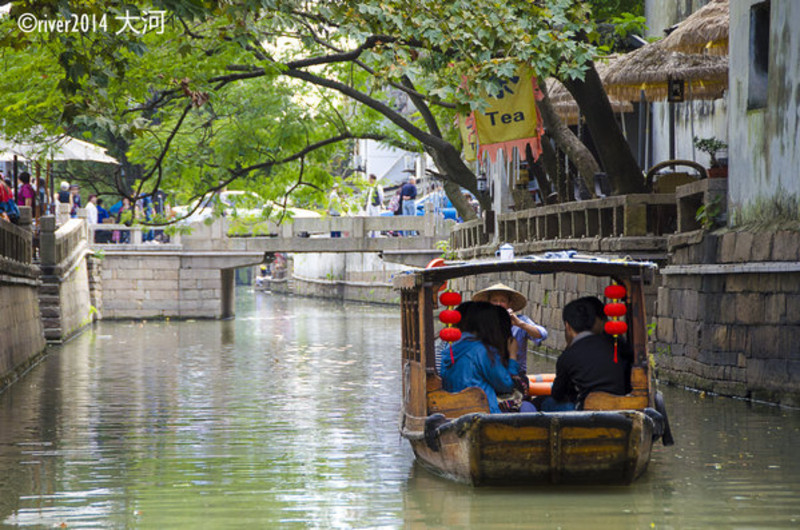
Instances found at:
x=450 y=298
x=450 y=316
x=450 y=334
x=615 y=310
x=616 y=327
x=615 y=292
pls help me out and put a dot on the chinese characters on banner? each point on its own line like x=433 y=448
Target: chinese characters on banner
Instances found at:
x=509 y=121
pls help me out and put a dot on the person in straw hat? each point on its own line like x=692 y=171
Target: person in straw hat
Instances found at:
x=522 y=327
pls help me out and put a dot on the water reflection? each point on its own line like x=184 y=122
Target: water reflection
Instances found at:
x=287 y=417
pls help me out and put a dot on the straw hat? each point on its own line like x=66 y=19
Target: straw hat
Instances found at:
x=516 y=300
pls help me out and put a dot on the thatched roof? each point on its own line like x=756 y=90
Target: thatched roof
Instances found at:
x=652 y=66
x=567 y=108
x=704 y=31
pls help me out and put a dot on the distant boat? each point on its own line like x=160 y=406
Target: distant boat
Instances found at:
x=454 y=435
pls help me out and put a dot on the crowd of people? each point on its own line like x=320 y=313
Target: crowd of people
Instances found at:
x=492 y=353
x=36 y=197
x=25 y=195
x=33 y=193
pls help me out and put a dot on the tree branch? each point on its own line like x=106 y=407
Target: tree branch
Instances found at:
x=393 y=116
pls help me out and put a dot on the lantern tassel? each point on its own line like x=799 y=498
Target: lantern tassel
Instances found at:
x=452 y=359
x=615 y=350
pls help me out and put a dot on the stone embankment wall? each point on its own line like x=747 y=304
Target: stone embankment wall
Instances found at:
x=65 y=299
x=20 y=324
x=724 y=312
x=155 y=285
x=352 y=276
x=728 y=315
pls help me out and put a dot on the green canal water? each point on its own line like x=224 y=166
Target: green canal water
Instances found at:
x=287 y=417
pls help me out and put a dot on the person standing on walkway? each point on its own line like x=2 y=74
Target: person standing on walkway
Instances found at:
x=27 y=194
x=409 y=195
x=334 y=207
x=64 y=196
x=91 y=209
x=374 y=200
x=75 y=192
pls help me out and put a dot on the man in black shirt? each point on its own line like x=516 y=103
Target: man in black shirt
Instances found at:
x=408 y=194
x=587 y=364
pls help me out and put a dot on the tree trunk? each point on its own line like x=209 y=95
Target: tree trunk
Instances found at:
x=460 y=203
x=612 y=147
x=456 y=172
x=550 y=163
x=577 y=152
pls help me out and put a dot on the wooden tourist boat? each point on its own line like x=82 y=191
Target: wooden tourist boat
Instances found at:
x=609 y=441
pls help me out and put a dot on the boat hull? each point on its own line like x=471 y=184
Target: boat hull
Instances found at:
x=538 y=448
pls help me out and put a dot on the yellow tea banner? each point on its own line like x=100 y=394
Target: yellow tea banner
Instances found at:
x=511 y=119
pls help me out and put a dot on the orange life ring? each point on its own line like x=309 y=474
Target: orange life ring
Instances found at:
x=540 y=384
x=540 y=389
x=437 y=262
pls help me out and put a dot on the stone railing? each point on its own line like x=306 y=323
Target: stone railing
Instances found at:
x=425 y=226
x=21 y=336
x=624 y=215
x=123 y=235
x=16 y=243
x=59 y=244
x=203 y=236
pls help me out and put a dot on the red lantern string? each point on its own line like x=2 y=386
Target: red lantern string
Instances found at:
x=448 y=317
x=450 y=298
x=615 y=291
x=615 y=310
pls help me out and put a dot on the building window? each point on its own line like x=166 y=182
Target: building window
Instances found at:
x=759 y=56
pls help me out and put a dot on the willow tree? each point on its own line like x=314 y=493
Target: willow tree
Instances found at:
x=261 y=89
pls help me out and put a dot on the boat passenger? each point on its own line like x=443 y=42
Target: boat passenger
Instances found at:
x=625 y=351
x=485 y=356
x=522 y=327
x=586 y=365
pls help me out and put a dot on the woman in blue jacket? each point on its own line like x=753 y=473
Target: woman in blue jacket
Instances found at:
x=484 y=356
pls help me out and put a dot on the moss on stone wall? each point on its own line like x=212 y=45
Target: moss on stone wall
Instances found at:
x=779 y=212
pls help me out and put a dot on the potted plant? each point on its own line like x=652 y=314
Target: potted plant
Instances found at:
x=718 y=152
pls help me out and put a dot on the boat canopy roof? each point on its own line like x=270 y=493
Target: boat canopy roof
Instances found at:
x=551 y=262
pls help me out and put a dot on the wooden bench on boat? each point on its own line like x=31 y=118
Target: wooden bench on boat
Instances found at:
x=637 y=399
x=453 y=405
x=473 y=399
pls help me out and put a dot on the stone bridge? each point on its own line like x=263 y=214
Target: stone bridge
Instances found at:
x=193 y=275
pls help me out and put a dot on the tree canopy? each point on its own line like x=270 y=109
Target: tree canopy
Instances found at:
x=270 y=94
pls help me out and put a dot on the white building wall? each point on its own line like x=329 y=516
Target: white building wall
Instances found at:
x=701 y=118
x=763 y=180
x=378 y=159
